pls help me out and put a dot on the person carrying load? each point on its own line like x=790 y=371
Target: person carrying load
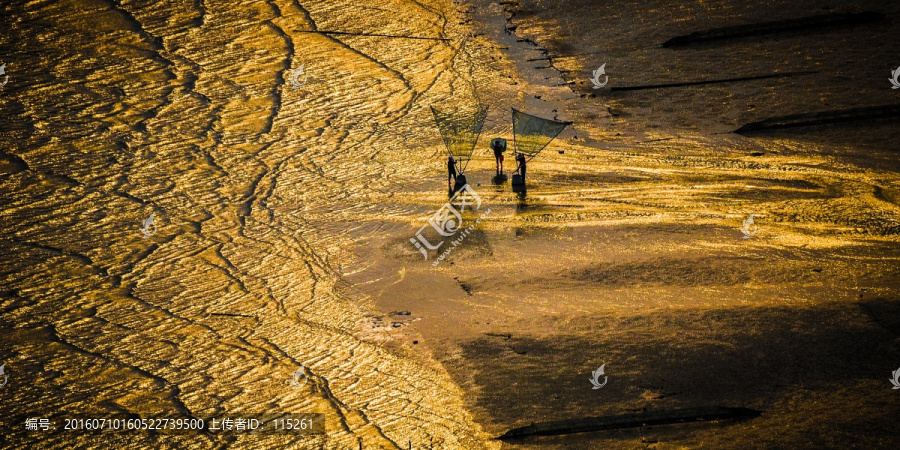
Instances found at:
x=498 y=145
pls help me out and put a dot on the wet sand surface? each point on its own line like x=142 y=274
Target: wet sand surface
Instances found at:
x=116 y=110
x=284 y=217
x=627 y=251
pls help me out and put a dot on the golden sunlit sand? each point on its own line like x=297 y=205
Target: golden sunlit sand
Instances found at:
x=284 y=216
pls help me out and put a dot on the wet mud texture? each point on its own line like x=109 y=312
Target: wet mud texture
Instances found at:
x=627 y=250
x=116 y=110
x=284 y=216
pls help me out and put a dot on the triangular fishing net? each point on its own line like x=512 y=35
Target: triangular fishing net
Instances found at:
x=460 y=131
x=531 y=133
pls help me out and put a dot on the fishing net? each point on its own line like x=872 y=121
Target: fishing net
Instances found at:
x=531 y=133
x=460 y=131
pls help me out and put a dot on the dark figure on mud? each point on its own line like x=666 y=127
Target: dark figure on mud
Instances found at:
x=497 y=147
x=520 y=167
x=451 y=171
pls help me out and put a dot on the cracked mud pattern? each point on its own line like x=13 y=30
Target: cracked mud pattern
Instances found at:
x=119 y=109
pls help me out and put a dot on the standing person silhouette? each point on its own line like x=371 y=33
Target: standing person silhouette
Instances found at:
x=497 y=147
x=451 y=172
x=520 y=160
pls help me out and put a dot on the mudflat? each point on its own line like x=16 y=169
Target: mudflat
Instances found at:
x=627 y=249
x=288 y=155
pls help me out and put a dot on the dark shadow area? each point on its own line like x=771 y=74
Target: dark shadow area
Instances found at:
x=758 y=358
x=884 y=312
x=720 y=271
x=648 y=418
x=844 y=116
x=825 y=22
